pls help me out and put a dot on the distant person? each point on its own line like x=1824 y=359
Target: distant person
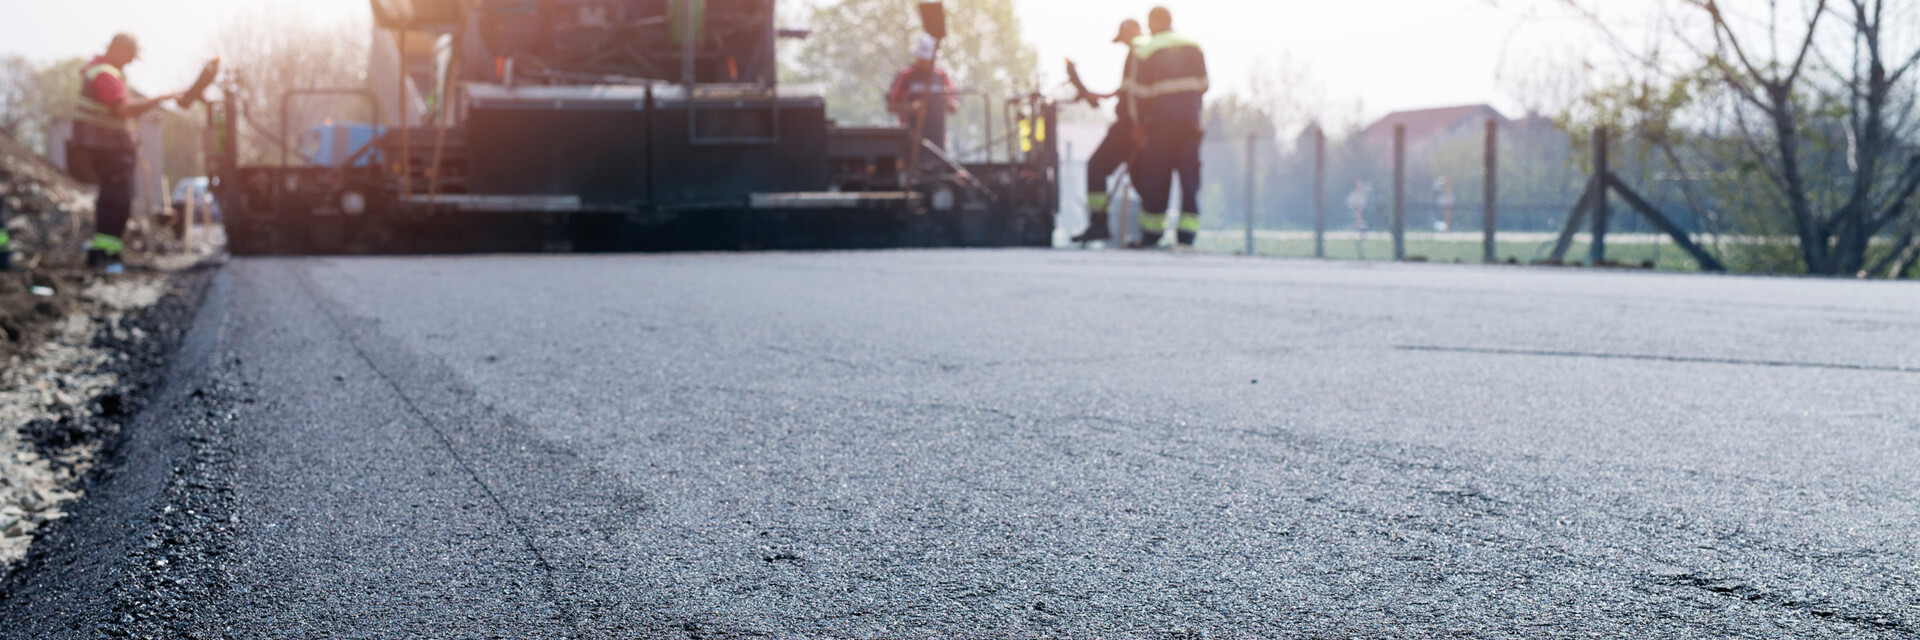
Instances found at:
x=105 y=146
x=1357 y=201
x=1117 y=149
x=1169 y=87
x=1443 y=193
x=924 y=90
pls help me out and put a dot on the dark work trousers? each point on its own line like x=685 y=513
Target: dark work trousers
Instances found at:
x=114 y=169
x=1114 y=151
x=936 y=129
x=1171 y=150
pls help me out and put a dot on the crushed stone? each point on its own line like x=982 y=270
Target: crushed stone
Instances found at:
x=49 y=397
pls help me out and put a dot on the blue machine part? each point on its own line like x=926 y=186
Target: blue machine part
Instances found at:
x=332 y=144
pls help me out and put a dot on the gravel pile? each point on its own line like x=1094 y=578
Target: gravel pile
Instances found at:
x=62 y=399
x=63 y=332
x=48 y=213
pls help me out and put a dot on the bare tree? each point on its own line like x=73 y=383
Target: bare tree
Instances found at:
x=1288 y=92
x=1807 y=83
x=1546 y=83
x=33 y=96
x=275 y=48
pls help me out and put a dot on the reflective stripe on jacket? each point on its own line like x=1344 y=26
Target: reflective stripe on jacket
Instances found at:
x=94 y=123
x=1170 y=82
x=94 y=112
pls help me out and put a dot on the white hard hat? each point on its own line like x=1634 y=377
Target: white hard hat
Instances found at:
x=923 y=47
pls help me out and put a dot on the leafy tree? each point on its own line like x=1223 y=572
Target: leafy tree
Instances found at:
x=33 y=96
x=16 y=77
x=859 y=45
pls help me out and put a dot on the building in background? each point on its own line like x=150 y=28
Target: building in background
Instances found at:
x=151 y=189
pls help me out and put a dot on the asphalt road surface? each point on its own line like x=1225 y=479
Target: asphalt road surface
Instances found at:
x=1027 y=444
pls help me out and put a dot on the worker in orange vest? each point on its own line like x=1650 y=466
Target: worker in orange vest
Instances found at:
x=924 y=84
x=105 y=145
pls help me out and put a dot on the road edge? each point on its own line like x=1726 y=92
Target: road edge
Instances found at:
x=85 y=577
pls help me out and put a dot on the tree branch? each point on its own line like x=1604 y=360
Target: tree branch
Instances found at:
x=1813 y=28
x=1723 y=34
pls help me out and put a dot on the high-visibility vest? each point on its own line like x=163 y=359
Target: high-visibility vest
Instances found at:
x=1170 y=79
x=92 y=112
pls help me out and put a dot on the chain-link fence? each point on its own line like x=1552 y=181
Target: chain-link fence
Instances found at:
x=1344 y=197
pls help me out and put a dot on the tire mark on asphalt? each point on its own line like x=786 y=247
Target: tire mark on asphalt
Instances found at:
x=821 y=357
x=1472 y=495
x=1790 y=364
x=328 y=308
x=1816 y=606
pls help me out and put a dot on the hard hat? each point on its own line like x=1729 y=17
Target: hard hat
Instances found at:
x=923 y=47
x=1129 y=30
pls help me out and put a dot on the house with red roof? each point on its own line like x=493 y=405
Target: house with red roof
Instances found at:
x=1425 y=126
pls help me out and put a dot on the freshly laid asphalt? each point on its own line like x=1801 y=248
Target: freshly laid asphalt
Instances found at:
x=1018 y=444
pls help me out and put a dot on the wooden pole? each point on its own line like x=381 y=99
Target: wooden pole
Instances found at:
x=1399 y=222
x=1597 y=250
x=1575 y=219
x=1706 y=260
x=1319 y=192
x=188 y=210
x=1492 y=219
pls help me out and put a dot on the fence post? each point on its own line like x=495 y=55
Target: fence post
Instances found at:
x=1319 y=192
x=1492 y=219
x=1597 y=250
x=1399 y=222
x=1252 y=163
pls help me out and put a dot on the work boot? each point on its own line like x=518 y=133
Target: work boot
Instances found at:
x=1147 y=241
x=105 y=263
x=1096 y=230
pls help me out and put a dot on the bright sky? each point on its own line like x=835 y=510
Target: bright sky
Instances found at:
x=1387 y=55
x=1383 y=54
x=174 y=34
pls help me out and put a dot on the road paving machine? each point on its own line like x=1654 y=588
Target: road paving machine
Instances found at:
x=615 y=125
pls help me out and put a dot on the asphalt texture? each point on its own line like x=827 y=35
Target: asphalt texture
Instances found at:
x=1013 y=444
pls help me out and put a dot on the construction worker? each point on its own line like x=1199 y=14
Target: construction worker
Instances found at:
x=918 y=83
x=105 y=145
x=1169 y=85
x=1118 y=147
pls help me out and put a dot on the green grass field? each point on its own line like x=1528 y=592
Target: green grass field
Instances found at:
x=1443 y=248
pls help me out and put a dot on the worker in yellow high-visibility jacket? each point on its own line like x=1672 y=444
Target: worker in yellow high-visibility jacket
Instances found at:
x=105 y=145
x=1169 y=87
